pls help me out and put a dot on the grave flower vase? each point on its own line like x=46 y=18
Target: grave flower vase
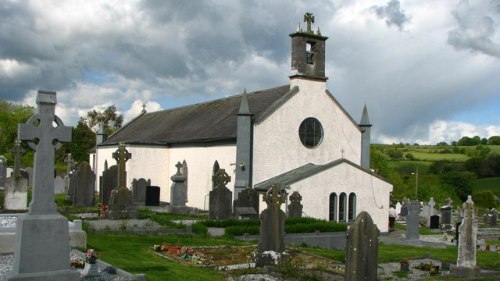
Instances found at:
x=90 y=269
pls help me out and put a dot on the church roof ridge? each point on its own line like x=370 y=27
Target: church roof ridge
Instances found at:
x=202 y=122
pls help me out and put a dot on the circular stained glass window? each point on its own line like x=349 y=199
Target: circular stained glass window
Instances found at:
x=311 y=132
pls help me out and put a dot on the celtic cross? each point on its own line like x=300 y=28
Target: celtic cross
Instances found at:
x=121 y=156
x=309 y=19
x=44 y=132
x=221 y=179
x=69 y=163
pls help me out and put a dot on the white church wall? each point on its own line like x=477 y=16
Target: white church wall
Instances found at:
x=372 y=193
x=146 y=162
x=277 y=146
x=200 y=162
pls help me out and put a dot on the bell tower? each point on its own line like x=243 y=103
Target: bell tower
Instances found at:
x=308 y=52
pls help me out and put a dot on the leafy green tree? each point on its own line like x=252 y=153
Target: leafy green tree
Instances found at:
x=10 y=116
x=485 y=199
x=109 y=118
x=494 y=140
x=491 y=166
x=468 y=141
x=379 y=164
x=461 y=183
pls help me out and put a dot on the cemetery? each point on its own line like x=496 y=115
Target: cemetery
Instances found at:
x=114 y=222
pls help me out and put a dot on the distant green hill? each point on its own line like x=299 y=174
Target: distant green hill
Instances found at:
x=492 y=184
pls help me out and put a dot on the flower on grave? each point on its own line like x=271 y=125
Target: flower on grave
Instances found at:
x=91 y=256
x=77 y=263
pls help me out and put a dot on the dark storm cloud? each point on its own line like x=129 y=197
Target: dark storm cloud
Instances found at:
x=392 y=14
x=477 y=25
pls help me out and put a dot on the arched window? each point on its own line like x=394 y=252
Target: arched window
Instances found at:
x=342 y=207
x=333 y=207
x=352 y=207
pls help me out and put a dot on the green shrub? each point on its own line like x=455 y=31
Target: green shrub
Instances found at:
x=199 y=228
x=231 y=222
x=240 y=230
x=485 y=199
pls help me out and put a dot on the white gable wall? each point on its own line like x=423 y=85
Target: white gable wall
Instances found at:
x=277 y=147
x=372 y=193
x=200 y=162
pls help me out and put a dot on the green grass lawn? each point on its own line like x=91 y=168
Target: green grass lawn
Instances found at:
x=133 y=253
x=492 y=184
x=429 y=156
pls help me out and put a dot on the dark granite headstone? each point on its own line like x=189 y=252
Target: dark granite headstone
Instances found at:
x=362 y=249
x=412 y=220
x=178 y=195
x=434 y=224
x=84 y=179
x=295 y=207
x=152 y=196
x=220 y=197
x=120 y=201
x=272 y=226
x=109 y=181
x=248 y=197
x=446 y=217
x=139 y=190
x=404 y=208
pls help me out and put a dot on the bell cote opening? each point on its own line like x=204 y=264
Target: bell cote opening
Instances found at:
x=308 y=52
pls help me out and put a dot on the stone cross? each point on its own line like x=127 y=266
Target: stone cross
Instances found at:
x=219 y=179
x=121 y=156
x=17 y=150
x=69 y=163
x=309 y=19
x=44 y=132
x=431 y=206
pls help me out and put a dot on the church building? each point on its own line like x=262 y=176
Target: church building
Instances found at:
x=295 y=135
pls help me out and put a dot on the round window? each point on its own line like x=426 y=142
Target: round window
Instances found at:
x=311 y=132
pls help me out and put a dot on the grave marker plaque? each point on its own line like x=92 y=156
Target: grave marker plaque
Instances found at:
x=152 y=196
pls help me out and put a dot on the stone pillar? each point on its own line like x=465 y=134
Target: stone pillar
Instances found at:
x=466 y=261
x=244 y=145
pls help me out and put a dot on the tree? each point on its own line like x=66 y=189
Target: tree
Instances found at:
x=461 y=183
x=108 y=118
x=10 y=116
x=494 y=140
x=491 y=166
x=467 y=141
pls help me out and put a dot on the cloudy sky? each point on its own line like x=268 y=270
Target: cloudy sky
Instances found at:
x=428 y=70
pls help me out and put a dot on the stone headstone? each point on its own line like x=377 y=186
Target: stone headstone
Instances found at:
x=42 y=235
x=109 y=181
x=120 y=201
x=152 y=196
x=398 y=208
x=412 y=220
x=248 y=198
x=492 y=217
x=446 y=212
x=466 y=261
x=84 y=179
x=215 y=170
x=16 y=187
x=362 y=249
x=3 y=171
x=272 y=226
x=404 y=208
x=431 y=204
x=69 y=166
x=221 y=197
x=434 y=223
x=178 y=193
x=139 y=190
x=295 y=207
x=29 y=170
x=426 y=211
x=59 y=185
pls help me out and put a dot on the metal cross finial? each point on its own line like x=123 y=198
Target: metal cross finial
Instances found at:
x=309 y=19
x=178 y=166
x=143 y=108
x=44 y=132
x=17 y=150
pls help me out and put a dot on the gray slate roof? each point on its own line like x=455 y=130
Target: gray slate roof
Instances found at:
x=199 y=123
x=304 y=172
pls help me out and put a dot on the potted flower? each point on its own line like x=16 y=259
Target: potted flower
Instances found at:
x=91 y=268
x=405 y=265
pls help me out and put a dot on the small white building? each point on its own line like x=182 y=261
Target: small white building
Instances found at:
x=297 y=135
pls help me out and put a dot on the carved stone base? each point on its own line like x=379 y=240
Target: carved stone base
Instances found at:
x=465 y=272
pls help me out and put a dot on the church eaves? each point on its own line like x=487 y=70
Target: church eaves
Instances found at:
x=209 y=122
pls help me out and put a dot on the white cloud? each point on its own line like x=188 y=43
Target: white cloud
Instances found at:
x=137 y=107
